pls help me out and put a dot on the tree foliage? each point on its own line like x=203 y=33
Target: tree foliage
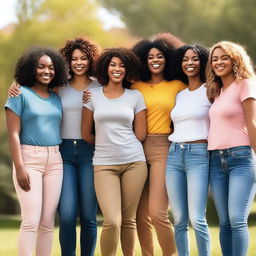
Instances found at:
x=193 y=21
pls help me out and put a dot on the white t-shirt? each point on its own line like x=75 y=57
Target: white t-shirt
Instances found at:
x=190 y=116
x=115 y=141
x=72 y=104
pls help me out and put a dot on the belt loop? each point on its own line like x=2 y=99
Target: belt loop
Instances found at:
x=189 y=147
x=173 y=146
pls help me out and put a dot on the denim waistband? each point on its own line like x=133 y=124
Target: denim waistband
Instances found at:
x=73 y=142
x=188 y=146
x=229 y=151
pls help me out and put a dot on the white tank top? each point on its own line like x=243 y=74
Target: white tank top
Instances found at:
x=190 y=116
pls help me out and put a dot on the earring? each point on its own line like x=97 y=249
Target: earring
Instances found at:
x=235 y=70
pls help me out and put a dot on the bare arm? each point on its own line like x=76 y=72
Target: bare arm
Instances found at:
x=87 y=125
x=140 y=125
x=249 y=107
x=13 y=127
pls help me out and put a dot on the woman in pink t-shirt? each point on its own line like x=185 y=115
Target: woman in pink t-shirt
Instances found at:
x=232 y=88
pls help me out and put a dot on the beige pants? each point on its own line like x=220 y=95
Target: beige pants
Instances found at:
x=153 y=206
x=118 y=189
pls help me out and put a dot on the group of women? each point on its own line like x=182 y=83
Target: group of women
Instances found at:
x=165 y=122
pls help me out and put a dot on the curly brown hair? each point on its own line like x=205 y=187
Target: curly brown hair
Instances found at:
x=242 y=67
x=86 y=45
x=130 y=60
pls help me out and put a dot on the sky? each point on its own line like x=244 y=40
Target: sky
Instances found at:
x=8 y=9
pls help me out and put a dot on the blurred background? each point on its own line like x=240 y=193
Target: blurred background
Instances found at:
x=25 y=23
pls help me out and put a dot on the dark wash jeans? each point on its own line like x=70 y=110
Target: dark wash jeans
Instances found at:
x=232 y=181
x=77 y=198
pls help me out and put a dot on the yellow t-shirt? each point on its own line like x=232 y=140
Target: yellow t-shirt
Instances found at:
x=160 y=100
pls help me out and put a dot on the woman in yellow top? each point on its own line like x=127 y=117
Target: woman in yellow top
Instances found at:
x=159 y=91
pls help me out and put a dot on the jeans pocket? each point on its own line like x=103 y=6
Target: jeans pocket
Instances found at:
x=200 y=152
x=242 y=153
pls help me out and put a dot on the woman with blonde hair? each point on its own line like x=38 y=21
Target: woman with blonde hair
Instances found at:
x=232 y=88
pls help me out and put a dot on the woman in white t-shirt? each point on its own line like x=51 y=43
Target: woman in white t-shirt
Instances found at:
x=119 y=163
x=187 y=170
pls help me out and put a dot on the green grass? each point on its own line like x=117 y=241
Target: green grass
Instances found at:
x=9 y=235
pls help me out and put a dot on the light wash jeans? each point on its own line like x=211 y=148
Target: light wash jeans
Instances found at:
x=232 y=180
x=78 y=198
x=187 y=179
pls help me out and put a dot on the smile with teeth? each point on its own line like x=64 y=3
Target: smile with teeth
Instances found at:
x=220 y=68
x=46 y=77
x=156 y=65
x=116 y=75
x=190 y=69
x=79 y=68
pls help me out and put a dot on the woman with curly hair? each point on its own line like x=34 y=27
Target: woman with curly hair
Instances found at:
x=78 y=194
x=159 y=91
x=33 y=124
x=187 y=169
x=119 y=163
x=232 y=142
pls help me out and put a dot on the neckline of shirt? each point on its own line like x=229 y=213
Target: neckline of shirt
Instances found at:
x=40 y=97
x=114 y=99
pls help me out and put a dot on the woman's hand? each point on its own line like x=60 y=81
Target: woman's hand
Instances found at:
x=23 y=178
x=86 y=96
x=14 y=90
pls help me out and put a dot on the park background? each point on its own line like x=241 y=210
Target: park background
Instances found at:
x=110 y=23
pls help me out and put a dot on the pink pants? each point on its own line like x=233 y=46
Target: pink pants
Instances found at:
x=39 y=204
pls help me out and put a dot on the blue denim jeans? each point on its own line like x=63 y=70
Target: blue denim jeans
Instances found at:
x=187 y=180
x=77 y=198
x=232 y=181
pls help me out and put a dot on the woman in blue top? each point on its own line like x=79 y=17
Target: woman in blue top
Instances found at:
x=33 y=123
x=77 y=195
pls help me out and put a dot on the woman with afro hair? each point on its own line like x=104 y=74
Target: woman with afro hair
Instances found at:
x=33 y=124
x=78 y=195
x=187 y=168
x=119 y=163
x=159 y=90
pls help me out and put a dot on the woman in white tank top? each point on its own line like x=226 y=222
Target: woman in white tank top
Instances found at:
x=187 y=170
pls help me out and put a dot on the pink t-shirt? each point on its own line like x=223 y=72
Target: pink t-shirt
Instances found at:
x=227 y=121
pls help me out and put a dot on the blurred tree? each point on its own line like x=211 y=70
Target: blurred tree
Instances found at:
x=196 y=21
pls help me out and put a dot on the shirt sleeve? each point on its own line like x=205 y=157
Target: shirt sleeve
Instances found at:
x=248 y=89
x=15 y=104
x=140 y=103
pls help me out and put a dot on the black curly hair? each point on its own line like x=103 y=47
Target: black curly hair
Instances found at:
x=25 y=71
x=86 y=45
x=177 y=57
x=130 y=60
x=142 y=48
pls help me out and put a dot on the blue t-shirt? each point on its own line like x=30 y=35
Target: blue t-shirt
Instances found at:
x=40 y=117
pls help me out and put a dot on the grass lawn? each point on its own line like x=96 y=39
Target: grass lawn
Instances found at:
x=9 y=234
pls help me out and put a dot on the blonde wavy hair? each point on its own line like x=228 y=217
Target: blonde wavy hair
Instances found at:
x=242 y=67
